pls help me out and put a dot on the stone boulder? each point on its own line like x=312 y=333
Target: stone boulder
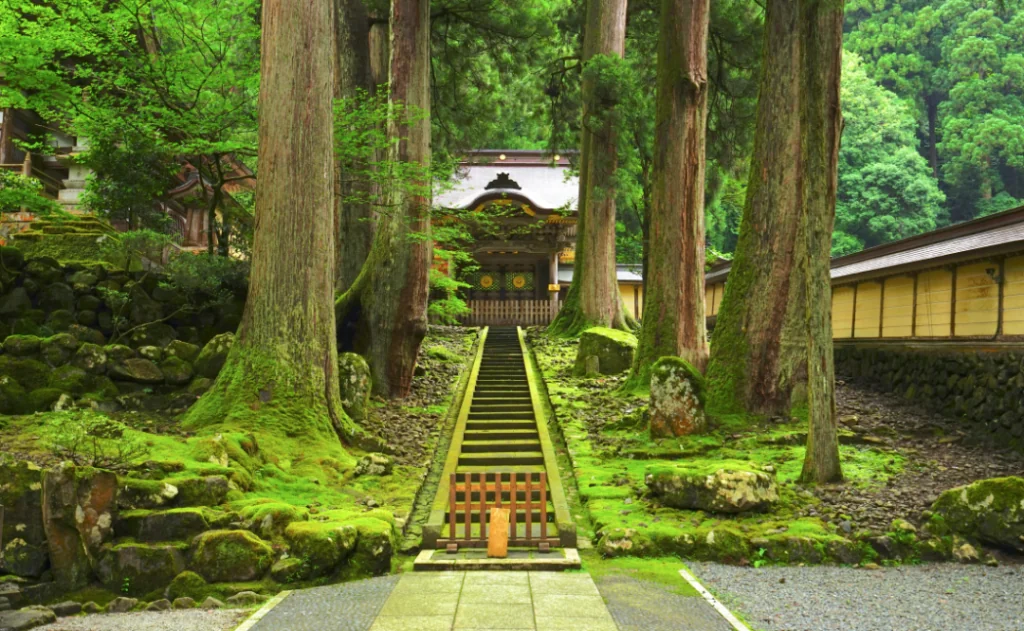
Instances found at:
x=117 y=353
x=604 y=351
x=726 y=487
x=24 y=539
x=79 y=509
x=142 y=309
x=211 y=359
x=24 y=619
x=90 y=358
x=22 y=345
x=135 y=494
x=322 y=545
x=137 y=370
x=231 y=556
x=13 y=398
x=677 y=398
x=58 y=349
x=57 y=296
x=207 y=491
x=16 y=302
x=182 y=350
x=178 y=524
x=991 y=511
x=137 y=569
x=157 y=334
x=246 y=599
x=374 y=464
x=270 y=519
x=176 y=371
x=354 y=380
x=289 y=570
x=122 y=604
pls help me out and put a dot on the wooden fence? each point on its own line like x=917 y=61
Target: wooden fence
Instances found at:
x=508 y=312
x=470 y=502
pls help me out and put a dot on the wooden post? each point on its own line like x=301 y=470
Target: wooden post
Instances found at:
x=952 y=305
x=497 y=540
x=913 y=309
x=1000 y=281
x=853 y=329
x=881 y=306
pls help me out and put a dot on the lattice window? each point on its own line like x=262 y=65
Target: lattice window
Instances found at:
x=519 y=281
x=487 y=281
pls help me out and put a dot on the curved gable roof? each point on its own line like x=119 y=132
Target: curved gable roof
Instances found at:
x=542 y=186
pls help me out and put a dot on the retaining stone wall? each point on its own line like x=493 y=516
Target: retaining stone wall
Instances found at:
x=985 y=388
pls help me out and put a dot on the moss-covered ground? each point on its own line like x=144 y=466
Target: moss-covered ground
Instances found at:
x=287 y=481
x=606 y=438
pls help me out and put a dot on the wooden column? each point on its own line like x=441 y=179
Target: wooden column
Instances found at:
x=553 y=281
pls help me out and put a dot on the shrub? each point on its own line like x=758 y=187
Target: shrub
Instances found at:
x=88 y=438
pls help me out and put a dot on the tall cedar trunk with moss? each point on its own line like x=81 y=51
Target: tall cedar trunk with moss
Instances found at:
x=673 y=323
x=773 y=331
x=821 y=32
x=352 y=74
x=593 y=298
x=390 y=293
x=280 y=376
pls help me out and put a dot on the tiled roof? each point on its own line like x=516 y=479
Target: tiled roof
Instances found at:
x=545 y=187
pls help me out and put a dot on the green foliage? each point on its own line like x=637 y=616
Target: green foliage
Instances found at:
x=130 y=172
x=446 y=306
x=18 y=192
x=127 y=249
x=89 y=438
x=886 y=190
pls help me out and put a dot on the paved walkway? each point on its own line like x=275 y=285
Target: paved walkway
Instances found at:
x=543 y=601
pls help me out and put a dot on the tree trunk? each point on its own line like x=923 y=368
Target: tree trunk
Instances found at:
x=673 y=322
x=821 y=32
x=280 y=379
x=352 y=73
x=932 y=103
x=593 y=298
x=773 y=330
x=390 y=294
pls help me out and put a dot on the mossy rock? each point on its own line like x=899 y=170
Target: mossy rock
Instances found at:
x=15 y=302
x=354 y=381
x=57 y=296
x=118 y=352
x=138 y=569
x=209 y=490
x=58 y=349
x=43 y=399
x=270 y=520
x=443 y=354
x=30 y=373
x=136 y=370
x=13 y=398
x=87 y=334
x=60 y=319
x=183 y=350
x=71 y=380
x=11 y=258
x=176 y=524
x=289 y=570
x=135 y=493
x=88 y=302
x=991 y=511
x=374 y=550
x=716 y=487
x=177 y=372
x=90 y=358
x=24 y=539
x=199 y=385
x=87 y=318
x=84 y=278
x=231 y=555
x=677 y=398
x=322 y=546
x=156 y=334
x=22 y=345
x=211 y=359
x=189 y=585
x=612 y=349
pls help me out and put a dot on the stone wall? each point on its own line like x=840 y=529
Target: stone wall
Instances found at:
x=81 y=333
x=984 y=387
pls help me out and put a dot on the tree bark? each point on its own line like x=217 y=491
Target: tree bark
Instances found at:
x=673 y=322
x=593 y=298
x=280 y=378
x=352 y=74
x=773 y=330
x=390 y=294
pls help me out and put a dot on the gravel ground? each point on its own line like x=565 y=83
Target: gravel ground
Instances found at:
x=344 y=607
x=936 y=597
x=186 y=620
x=645 y=606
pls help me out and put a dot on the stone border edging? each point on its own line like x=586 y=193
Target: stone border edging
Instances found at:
x=251 y=621
x=719 y=607
x=436 y=521
x=563 y=516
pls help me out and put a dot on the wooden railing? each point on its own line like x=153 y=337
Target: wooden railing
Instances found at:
x=506 y=312
x=469 y=509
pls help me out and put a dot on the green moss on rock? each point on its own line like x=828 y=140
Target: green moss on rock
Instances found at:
x=138 y=569
x=22 y=345
x=211 y=359
x=611 y=350
x=989 y=510
x=271 y=519
x=231 y=555
x=321 y=546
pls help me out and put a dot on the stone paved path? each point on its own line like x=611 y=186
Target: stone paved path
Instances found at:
x=542 y=601
x=345 y=607
x=638 y=605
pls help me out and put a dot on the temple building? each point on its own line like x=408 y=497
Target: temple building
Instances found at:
x=521 y=206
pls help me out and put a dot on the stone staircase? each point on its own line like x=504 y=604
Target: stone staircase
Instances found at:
x=501 y=436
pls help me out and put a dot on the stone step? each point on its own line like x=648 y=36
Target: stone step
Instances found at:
x=501 y=434
x=525 y=415
x=501 y=459
x=473 y=425
x=525 y=406
x=486 y=446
